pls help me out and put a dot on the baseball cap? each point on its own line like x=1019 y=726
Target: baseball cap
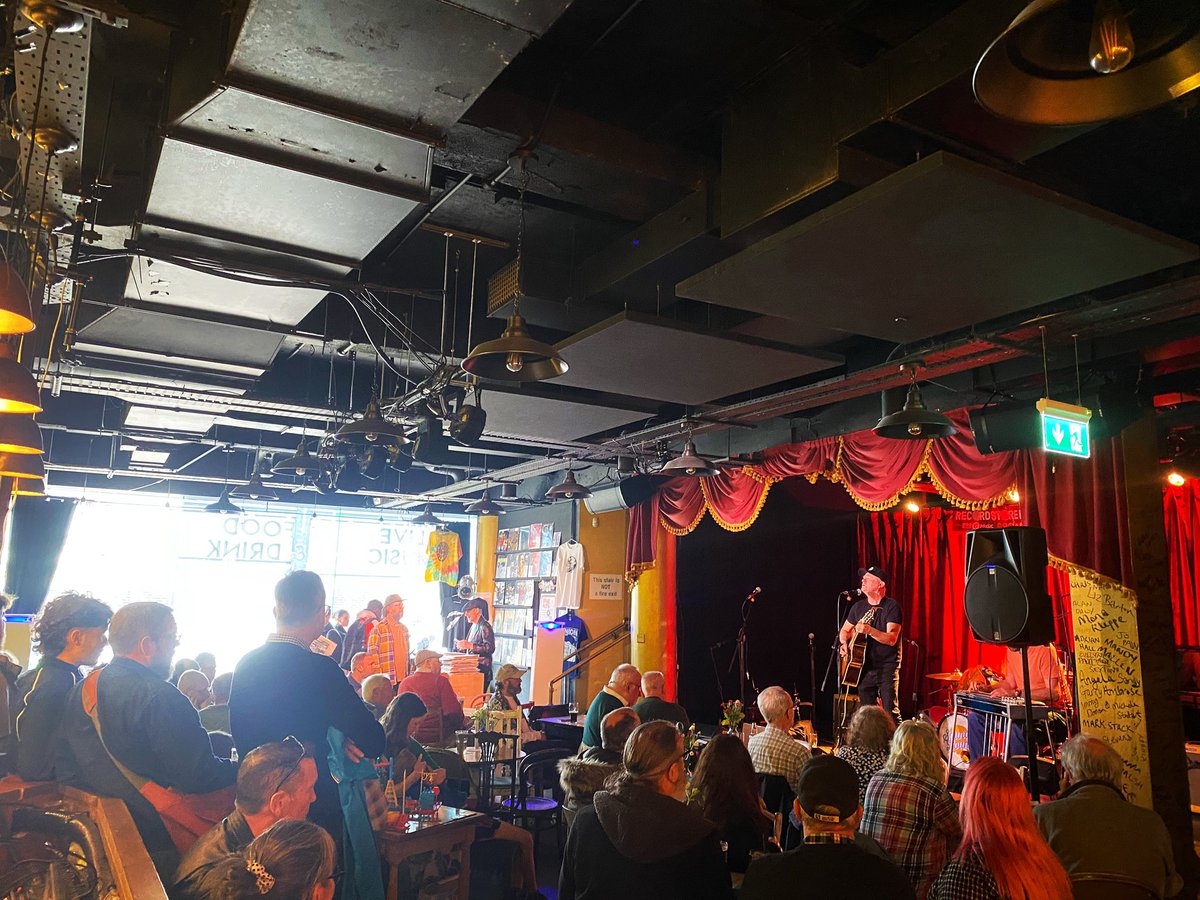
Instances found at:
x=424 y=656
x=828 y=789
x=508 y=670
x=874 y=570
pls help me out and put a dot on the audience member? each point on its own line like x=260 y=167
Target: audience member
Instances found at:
x=868 y=740
x=773 y=750
x=581 y=776
x=10 y=670
x=829 y=864
x=274 y=782
x=195 y=685
x=207 y=663
x=1002 y=853
x=283 y=688
x=1093 y=828
x=726 y=791
x=291 y=860
x=181 y=666
x=653 y=706
x=377 y=693
x=362 y=667
x=481 y=639
x=69 y=632
x=356 y=634
x=639 y=840
x=388 y=641
x=908 y=809
x=336 y=632
x=409 y=760
x=623 y=689
x=445 y=711
x=129 y=734
x=215 y=716
x=505 y=694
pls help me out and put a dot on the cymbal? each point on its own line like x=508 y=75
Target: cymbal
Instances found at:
x=945 y=676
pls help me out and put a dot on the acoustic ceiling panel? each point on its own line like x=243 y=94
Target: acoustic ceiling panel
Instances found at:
x=550 y=419
x=156 y=336
x=643 y=356
x=153 y=418
x=938 y=246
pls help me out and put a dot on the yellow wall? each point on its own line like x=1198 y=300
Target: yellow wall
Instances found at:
x=653 y=616
x=603 y=539
x=485 y=558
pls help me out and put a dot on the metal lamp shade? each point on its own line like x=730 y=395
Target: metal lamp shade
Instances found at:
x=372 y=429
x=301 y=463
x=427 y=518
x=689 y=463
x=22 y=465
x=223 y=505
x=30 y=487
x=255 y=490
x=484 y=506
x=915 y=422
x=1038 y=71
x=20 y=434
x=532 y=359
x=569 y=489
x=18 y=390
x=16 y=310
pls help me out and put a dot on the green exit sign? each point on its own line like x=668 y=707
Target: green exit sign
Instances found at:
x=1065 y=428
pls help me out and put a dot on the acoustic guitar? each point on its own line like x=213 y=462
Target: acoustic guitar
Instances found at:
x=856 y=652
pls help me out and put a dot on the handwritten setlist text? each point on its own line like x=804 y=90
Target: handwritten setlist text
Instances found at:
x=1108 y=664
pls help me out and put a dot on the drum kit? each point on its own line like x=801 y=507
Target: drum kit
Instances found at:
x=951 y=724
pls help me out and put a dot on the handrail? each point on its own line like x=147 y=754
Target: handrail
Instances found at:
x=611 y=638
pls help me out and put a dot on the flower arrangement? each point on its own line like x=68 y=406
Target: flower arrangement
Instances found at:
x=479 y=718
x=732 y=714
x=691 y=748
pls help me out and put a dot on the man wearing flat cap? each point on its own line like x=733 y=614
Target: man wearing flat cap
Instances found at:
x=830 y=863
x=482 y=638
x=877 y=619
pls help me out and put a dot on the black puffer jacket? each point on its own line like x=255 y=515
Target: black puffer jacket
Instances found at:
x=636 y=844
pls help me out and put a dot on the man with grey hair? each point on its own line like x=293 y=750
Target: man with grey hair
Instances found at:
x=623 y=689
x=581 y=776
x=773 y=750
x=129 y=733
x=654 y=706
x=1093 y=828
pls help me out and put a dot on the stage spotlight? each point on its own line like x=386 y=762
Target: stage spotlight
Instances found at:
x=1175 y=479
x=1014 y=496
x=912 y=506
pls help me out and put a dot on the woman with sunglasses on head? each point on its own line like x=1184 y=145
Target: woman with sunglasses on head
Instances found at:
x=291 y=860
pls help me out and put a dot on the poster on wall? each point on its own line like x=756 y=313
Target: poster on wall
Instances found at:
x=1108 y=675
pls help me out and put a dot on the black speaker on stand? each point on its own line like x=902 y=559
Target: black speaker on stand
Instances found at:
x=1007 y=602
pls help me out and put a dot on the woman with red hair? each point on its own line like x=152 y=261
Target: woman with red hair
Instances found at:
x=1002 y=856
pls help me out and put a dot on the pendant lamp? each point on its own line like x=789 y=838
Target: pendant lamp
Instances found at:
x=1076 y=62
x=569 y=489
x=485 y=506
x=255 y=489
x=915 y=422
x=30 y=487
x=16 y=309
x=22 y=465
x=427 y=518
x=689 y=463
x=223 y=505
x=372 y=428
x=301 y=463
x=20 y=434
x=18 y=390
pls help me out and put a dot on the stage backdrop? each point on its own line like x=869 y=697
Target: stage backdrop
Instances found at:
x=1181 y=508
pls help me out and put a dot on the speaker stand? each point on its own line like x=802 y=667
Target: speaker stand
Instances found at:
x=1031 y=773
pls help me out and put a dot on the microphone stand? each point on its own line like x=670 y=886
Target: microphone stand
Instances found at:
x=812 y=673
x=740 y=653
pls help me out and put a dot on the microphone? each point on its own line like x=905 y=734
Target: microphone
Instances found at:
x=754 y=593
x=856 y=592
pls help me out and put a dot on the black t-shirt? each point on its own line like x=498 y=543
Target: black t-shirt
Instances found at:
x=832 y=871
x=888 y=611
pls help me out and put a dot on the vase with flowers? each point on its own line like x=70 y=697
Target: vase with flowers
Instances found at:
x=732 y=716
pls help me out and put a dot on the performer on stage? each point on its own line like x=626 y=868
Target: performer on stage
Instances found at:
x=1045 y=675
x=880 y=676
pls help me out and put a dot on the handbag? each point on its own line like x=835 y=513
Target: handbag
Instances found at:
x=376 y=803
x=185 y=816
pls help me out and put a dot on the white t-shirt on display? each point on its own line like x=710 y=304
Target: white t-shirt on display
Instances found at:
x=570 y=574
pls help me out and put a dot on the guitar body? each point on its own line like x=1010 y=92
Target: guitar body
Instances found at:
x=856 y=653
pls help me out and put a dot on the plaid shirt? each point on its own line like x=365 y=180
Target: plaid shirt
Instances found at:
x=388 y=643
x=966 y=878
x=915 y=820
x=775 y=752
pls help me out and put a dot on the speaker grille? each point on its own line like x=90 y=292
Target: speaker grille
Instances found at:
x=996 y=605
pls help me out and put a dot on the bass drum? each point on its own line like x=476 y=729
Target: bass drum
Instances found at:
x=952 y=731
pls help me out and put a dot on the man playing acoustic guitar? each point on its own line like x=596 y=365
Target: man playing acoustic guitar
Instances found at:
x=876 y=619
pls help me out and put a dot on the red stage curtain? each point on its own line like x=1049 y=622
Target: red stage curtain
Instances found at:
x=1181 y=508
x=963 y=475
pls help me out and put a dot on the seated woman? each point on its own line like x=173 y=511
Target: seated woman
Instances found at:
x=408 y=756
x=1003 y=854
x=291 y=860
x=868 y=740
x=908 y=809
x=505 y=691
x=725 y=790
